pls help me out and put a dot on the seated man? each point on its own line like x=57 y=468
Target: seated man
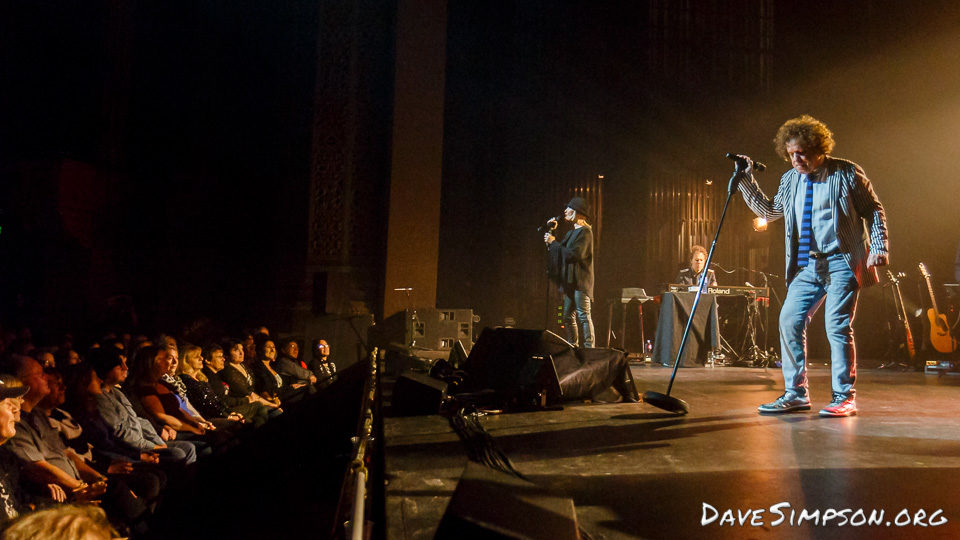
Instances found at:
x=38 y=443
x=127 y=427
x=694 y=273
x=14 y=499
x=49 y=460
x=289 y=366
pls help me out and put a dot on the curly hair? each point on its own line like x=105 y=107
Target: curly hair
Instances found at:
x=811 y=134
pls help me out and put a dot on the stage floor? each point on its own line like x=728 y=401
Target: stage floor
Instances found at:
x=634 y=471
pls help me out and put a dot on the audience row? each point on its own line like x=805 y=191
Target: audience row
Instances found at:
x=113 y=431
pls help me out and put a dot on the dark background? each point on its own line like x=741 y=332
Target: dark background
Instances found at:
x=160 y=151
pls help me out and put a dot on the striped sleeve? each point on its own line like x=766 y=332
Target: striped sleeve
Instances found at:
x=868 y=206
x=763 y=206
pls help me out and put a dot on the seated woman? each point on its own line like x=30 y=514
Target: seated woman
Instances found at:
x=175 y=385
x=322 y=365
x=268 y=382
x=239 y=382
x=159 y=402
x=213 y=363
x=198 y=391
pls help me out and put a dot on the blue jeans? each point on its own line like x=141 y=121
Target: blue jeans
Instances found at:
x=580 y=301
x=832 y=280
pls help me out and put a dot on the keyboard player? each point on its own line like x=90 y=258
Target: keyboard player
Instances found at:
x=692 y=275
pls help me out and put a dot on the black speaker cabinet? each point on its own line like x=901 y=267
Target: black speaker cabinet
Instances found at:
x=492 y=504
x=518 y=365
x=416 y=394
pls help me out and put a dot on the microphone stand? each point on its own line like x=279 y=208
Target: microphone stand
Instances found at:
x=548 y=228
x=666 y=401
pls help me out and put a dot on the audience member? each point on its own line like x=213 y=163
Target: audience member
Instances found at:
x=68 y=522
x=66 y=357
x=45 y=358
x=126 y=426
x=295 y=373
x=176 y=386
x=59 y=418
x=159 y=402
x=68 y=433
x=110 y=457
x=249 y=344
x=13 y=497
x=249 y=408
x=268 y=382
x=239 y=380
x=48 y=460
x=322 y=365
x=198 y=388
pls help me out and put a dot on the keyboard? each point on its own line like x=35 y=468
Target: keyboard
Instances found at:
x=732 y=290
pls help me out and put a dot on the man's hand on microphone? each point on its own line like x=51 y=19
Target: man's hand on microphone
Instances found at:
x=876 y=259
x=548 y=238
x=744 y=164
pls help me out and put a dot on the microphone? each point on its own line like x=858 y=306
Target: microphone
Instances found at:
x=550 y=225
x=757 y=166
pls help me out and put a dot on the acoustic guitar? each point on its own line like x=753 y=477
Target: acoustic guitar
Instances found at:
x=902 y=315
x=940 y=336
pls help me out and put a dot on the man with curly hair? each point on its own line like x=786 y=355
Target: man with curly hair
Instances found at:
x=836 y=236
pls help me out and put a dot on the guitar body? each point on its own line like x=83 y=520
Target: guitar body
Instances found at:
x=940 y=336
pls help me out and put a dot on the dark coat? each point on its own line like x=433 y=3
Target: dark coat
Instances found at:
x=571 y=261
x=240 y=386
x=264 y=381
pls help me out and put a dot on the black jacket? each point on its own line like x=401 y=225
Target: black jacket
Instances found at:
x=571 y=261
x=240 y=386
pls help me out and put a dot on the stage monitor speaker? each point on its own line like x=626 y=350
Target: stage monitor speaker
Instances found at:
x=518 y=365
x=492 y=504
x=415 y=394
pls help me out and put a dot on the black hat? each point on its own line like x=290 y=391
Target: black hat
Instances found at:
x=7 y=390
x=103 y=359
x=580 y=205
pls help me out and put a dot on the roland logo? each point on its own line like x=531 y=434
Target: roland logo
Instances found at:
x=718 y=290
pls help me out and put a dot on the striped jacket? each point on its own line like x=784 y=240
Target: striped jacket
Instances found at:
x=858 y=216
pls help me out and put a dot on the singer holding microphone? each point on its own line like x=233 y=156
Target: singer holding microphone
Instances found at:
x=571 y=266
x=836 y=236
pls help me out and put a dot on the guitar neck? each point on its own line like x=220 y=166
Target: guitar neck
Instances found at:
x=926 y=277
x=933 y=298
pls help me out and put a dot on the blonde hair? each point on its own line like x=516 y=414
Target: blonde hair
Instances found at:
x=69 y=522
x=185 y=367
